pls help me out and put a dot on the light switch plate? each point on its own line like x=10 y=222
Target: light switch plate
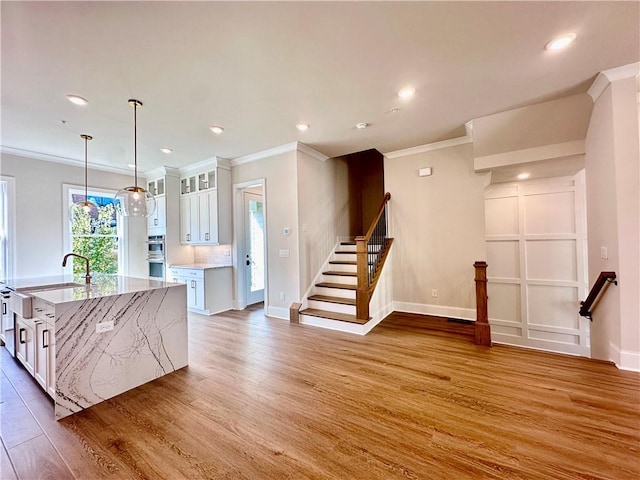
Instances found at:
x=284 y=253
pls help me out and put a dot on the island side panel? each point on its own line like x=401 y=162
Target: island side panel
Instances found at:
x=149 y=340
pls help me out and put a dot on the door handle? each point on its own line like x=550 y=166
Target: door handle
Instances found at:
x=248 y=262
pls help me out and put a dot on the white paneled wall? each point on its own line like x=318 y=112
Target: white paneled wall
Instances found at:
x=536 y=252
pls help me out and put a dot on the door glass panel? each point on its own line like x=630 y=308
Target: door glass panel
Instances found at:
x=256 y=232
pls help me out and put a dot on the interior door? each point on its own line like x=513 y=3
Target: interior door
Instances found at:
x=254 y=247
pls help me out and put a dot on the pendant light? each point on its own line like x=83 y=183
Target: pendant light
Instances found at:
x=135 y=201
x=87 y=206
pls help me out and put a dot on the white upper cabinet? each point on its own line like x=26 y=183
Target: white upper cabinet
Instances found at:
x=205 y=204
x=157 y=222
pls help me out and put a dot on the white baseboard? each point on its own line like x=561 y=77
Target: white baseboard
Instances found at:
x=629 y=361
x=278 y=312
x=435 y=310
x=377 y=317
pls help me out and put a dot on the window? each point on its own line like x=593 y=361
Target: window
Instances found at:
x=97 y=236
x=6 y=197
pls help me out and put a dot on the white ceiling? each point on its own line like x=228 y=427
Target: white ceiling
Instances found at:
x=258 y=68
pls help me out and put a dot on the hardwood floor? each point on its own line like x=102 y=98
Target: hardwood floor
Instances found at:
x=265 y=399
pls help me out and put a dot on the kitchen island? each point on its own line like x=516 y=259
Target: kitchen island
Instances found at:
x=93 y=342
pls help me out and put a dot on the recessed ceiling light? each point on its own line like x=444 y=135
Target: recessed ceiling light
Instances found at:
x=522 y=176
x=166 y=150
x=216 y=129
x=302 y=126
x=561 y=41
x=362 y=125
x=77 y=100
x=406 y=92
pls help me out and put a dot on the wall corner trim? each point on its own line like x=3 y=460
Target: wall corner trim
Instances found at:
x=606 y=77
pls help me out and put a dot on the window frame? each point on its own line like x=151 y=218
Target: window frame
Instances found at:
x=122 y=230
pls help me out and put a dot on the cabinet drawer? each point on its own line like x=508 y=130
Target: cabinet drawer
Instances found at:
x=43 y=310
x=186 y=273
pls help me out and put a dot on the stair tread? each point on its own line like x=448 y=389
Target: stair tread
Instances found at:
x=348 y=243
x=343 y=317
x=343 y=262
x=345 y=252
x=342 y=274
x=343 y=286
x=327 y=298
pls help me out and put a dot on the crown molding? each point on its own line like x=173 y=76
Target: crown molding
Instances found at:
x=289 y=147
x=18 y=152
x=429 y=147
x=204 y=164
x=161 y=172
x=606 y=77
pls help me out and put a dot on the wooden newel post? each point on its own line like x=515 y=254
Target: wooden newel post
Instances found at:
x=482 y=330
x=362 y=289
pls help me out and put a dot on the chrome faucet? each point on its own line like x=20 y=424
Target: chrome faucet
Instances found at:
x=87 y=277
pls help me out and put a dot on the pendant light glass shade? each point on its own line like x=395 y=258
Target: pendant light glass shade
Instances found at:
x=135 y=201
x=87 y=206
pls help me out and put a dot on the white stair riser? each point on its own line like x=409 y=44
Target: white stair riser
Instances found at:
x=347 y=248
x=340 y=279
x=332 y=307
x=342 y=268
x=351 y=257
x=335 y=292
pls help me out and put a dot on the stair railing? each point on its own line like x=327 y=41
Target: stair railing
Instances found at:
x=369 y=253
x=601 y=281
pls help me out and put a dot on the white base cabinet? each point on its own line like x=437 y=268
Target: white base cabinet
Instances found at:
x=209 y=290
x=25 y=343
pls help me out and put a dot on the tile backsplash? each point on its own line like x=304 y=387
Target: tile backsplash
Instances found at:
x=213 y=255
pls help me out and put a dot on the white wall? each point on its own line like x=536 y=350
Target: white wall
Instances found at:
x=323 y=212
x=281 y=200
x=38 y=209
x=613 y=219
x=438 y=226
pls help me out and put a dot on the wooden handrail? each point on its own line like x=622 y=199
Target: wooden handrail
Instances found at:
x=387 y=197
x=603 y=278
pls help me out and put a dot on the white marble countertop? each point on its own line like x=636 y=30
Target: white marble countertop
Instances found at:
x=200 y=266
x=101 y=286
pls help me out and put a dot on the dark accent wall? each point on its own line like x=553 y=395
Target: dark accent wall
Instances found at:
x=366 y=188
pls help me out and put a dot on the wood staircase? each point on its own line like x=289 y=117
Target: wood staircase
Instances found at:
x=345 y=288
x=335 y=295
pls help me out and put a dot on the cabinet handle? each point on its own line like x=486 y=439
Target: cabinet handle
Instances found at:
x=22 y=340
x=43 y=344
x=188 y=237
x=193 y=284
x=206 y=236
x=4 y=308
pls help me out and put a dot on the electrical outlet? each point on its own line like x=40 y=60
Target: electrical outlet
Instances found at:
x=227 y=252
x=104 y=326
x=604 y=253
x=434 y=293
x=282 y=296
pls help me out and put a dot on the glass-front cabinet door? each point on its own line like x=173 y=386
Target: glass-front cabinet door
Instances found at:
x=207 y=180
